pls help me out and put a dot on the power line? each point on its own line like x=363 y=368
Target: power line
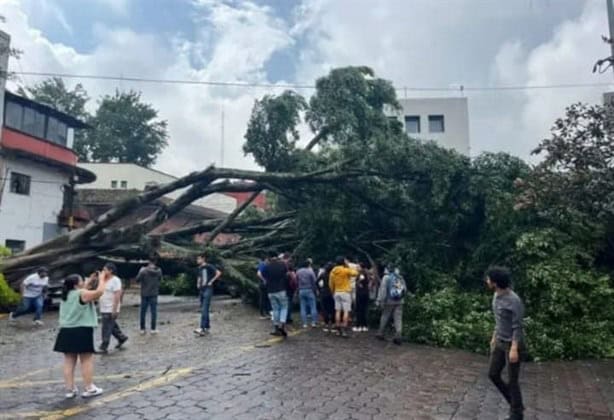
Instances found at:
x=303 y=86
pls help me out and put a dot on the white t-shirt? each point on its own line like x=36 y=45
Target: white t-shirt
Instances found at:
x=106 y=300
x=34 y=285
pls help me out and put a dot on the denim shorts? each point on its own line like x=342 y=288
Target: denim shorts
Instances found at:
x=343 y=301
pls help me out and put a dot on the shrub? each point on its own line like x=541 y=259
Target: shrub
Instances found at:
x=8 y=297
x=450 y=318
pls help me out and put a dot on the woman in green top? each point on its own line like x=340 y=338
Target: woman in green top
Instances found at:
x=76 y=336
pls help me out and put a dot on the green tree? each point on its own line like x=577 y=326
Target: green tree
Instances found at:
x=55 y=93
x=272 y=130
x=126 y=130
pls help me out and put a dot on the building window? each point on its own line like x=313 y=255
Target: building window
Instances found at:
x=436 y=124
x=15 y=246
x=113 y=184
x=33 y=123
x=20 y=183
x=13 y=115
x=56 y=131
x=124 y=184
x=412 y=124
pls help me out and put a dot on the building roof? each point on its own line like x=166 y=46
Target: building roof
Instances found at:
x=46 y=109
x=102 y=197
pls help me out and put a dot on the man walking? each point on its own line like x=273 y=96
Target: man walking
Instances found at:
x=390 y=298
x=507 y=339
x=341 y=288
x=33 y=291
x=276 y=274
x=149 y=278
x=206 y=278
x=110 y=305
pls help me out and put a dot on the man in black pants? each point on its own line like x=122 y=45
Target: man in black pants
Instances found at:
x=507 y=339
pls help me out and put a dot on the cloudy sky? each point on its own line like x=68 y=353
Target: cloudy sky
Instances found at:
x=414 y=43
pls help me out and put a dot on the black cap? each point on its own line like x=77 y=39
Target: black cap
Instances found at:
x=42 y=270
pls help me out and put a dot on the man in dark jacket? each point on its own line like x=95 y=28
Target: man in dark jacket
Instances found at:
x=276 y=275
x=149 y=278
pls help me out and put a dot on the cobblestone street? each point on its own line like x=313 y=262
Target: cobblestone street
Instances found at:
x=240 y=372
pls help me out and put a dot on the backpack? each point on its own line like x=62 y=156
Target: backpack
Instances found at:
x=396 y=287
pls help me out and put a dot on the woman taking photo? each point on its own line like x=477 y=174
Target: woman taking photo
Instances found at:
x=76 y=337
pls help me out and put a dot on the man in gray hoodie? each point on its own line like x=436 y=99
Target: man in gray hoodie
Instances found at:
x=149 y=278
x=390 y=298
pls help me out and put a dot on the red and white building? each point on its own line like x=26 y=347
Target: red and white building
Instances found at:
x=38 y=168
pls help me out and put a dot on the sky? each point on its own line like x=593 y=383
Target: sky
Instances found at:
x=413 y=43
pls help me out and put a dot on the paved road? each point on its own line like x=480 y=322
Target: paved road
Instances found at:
x=239 y=372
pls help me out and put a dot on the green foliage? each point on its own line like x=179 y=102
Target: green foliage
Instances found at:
x=180 y=285
x=443 y=218
x=450 y=318
x=8 y=297
x=126 y=130
x=569 y=302
x=272 y=130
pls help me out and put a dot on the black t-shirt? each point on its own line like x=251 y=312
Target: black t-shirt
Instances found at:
x=362 y=283
x=207 y=272
x=276 y=275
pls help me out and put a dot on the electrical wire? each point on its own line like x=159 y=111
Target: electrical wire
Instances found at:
x=304 y=86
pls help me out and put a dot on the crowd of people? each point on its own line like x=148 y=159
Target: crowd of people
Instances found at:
x=339 y=294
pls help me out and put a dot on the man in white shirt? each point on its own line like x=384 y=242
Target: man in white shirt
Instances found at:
x=109 y=305
x=33 y=290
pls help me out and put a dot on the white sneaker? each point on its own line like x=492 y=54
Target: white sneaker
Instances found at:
x=304 y=326
x=72 y=394
x=38 y=322
x=143 y=332
x=11 y=318
x=365 y=329
x=355 y=329
x=153 y=332
x=92 y=392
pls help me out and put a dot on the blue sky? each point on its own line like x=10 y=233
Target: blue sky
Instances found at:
x=410 y=42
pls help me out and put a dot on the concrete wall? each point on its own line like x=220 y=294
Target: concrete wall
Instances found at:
x=137 y=177
x=23 y=217
x=456 y=120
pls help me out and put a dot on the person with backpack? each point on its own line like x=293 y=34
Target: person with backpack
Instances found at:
x=390 y=298
x=207 y=275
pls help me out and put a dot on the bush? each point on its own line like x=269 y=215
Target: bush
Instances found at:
x=450 y=318
x=569 y=302
x=180 y=285
x=8 y=297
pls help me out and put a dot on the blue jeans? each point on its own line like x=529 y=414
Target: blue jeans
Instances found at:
x=150 y=302
x=30 y=305
x=206 y=294
x=279 y=304
x=308 y=303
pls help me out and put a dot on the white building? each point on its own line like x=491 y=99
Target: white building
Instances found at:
x=444 y=120
x=38 y=167
x=132 y=176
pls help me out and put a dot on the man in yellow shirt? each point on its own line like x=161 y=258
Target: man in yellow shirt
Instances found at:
x=341 y=287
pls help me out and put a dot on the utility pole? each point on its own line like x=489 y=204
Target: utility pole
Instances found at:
x=610 y=5
x=222 y=140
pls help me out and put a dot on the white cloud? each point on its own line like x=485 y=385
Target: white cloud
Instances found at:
x=245 y=38
x=418 y=43
x=119 y=7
